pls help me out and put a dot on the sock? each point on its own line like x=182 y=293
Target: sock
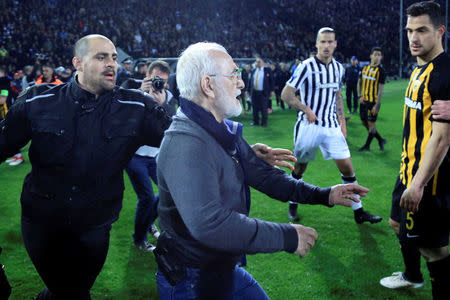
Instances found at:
x=440 y=278
x=378 y=136
x=411 y=259
x=352 y=179
x=369 y=139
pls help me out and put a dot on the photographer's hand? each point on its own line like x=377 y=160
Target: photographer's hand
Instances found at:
x=146 y=85
x=158 y=96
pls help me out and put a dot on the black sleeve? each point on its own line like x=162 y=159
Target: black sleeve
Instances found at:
x=15 y=130
x=439 y=85
x=156 y=121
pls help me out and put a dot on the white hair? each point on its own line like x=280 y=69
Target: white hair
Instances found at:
x=195 y=62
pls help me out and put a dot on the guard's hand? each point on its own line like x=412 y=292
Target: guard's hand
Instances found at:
x=341 y=194
x=307 y=237
x=441 y=110
x=411 y=198
x=146 y=85
x=310 y=116
x=276 y=157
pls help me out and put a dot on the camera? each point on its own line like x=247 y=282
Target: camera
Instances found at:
x=158 y=83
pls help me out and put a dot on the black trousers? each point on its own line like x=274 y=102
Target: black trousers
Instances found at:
x=67 y=260
x=260 y=103
x=352 y=90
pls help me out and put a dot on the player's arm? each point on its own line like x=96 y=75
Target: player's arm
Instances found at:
x=377 y=106
x=288 y=96
x=340 y=112
x=435 y=152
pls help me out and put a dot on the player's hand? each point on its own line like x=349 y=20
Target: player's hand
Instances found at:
x=344 y=130
x=441 y=110
x=375 y=110
x=146 y=85
x=411 y=198
x=272 y=94
x=276 y=157
x=341 y=194
x=361 y=99
x=307 y=237
x=310 y=115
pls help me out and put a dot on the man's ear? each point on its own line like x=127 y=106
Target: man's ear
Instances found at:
x=206 y=85
x=78 y=63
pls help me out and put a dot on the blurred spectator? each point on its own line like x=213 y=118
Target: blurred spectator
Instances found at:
x=125 y=72
x=6 y=84
x=48 y=75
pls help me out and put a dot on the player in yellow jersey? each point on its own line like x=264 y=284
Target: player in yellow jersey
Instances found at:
x=423 y=189
x=370 y=91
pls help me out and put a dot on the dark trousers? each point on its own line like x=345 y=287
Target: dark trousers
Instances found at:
x=68 y=260
x=140 y=170
x=349 y=92
x=259 y=102
x=279 y=101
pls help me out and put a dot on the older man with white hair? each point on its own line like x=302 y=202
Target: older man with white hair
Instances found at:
x=205 y=168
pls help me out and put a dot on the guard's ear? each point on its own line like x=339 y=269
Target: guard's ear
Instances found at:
x=78 y=63
x=206 y=85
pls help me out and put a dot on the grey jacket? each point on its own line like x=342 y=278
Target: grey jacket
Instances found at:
x=203 y=202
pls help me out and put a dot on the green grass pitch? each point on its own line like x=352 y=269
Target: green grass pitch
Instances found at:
x=347 y=261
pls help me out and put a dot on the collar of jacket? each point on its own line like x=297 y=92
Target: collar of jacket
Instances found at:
x=82 y=96
x=225 y=133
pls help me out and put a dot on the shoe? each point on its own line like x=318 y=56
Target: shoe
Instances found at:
x=17 y=160
x=10 y=159
x=145 y=246
x=269 y=111
x=382 y=143
x=397 y=280
x=264 y=125
x=254 y=124
x=292 y=212
x=347 y=118
x=245 y=112
x=362 y=216
x=154 y=231
x=364 y=148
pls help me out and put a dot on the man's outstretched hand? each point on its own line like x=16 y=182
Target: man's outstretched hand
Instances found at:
x=341 y=194
x=307 y=237
x=276 y=157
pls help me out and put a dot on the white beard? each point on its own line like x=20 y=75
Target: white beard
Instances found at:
x=229 y=108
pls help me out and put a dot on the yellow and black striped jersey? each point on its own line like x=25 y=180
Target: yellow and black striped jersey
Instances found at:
x=428 y=83
x=371 y=77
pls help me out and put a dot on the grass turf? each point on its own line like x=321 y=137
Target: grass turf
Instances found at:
x=347 y=261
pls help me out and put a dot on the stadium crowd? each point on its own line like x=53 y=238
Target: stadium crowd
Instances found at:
x=280 y=30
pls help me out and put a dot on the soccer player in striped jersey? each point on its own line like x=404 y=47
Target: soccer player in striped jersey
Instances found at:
x=321 y=120
x=370 y=91
x=422 y=188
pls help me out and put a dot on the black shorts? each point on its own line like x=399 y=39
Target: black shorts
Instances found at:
x=430 y=225
x=365 y=111
x=396 y=210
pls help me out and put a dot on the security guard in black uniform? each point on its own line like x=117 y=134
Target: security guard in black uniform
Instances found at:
x=82 y=136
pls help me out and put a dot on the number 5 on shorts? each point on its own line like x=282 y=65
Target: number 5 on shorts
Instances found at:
x=409 y=220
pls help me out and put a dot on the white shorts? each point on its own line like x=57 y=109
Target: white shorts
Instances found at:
x=309 y=136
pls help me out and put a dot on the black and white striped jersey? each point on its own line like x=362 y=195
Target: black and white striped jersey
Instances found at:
x=318 y=86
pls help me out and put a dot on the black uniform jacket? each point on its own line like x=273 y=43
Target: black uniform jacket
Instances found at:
x=79 y=148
